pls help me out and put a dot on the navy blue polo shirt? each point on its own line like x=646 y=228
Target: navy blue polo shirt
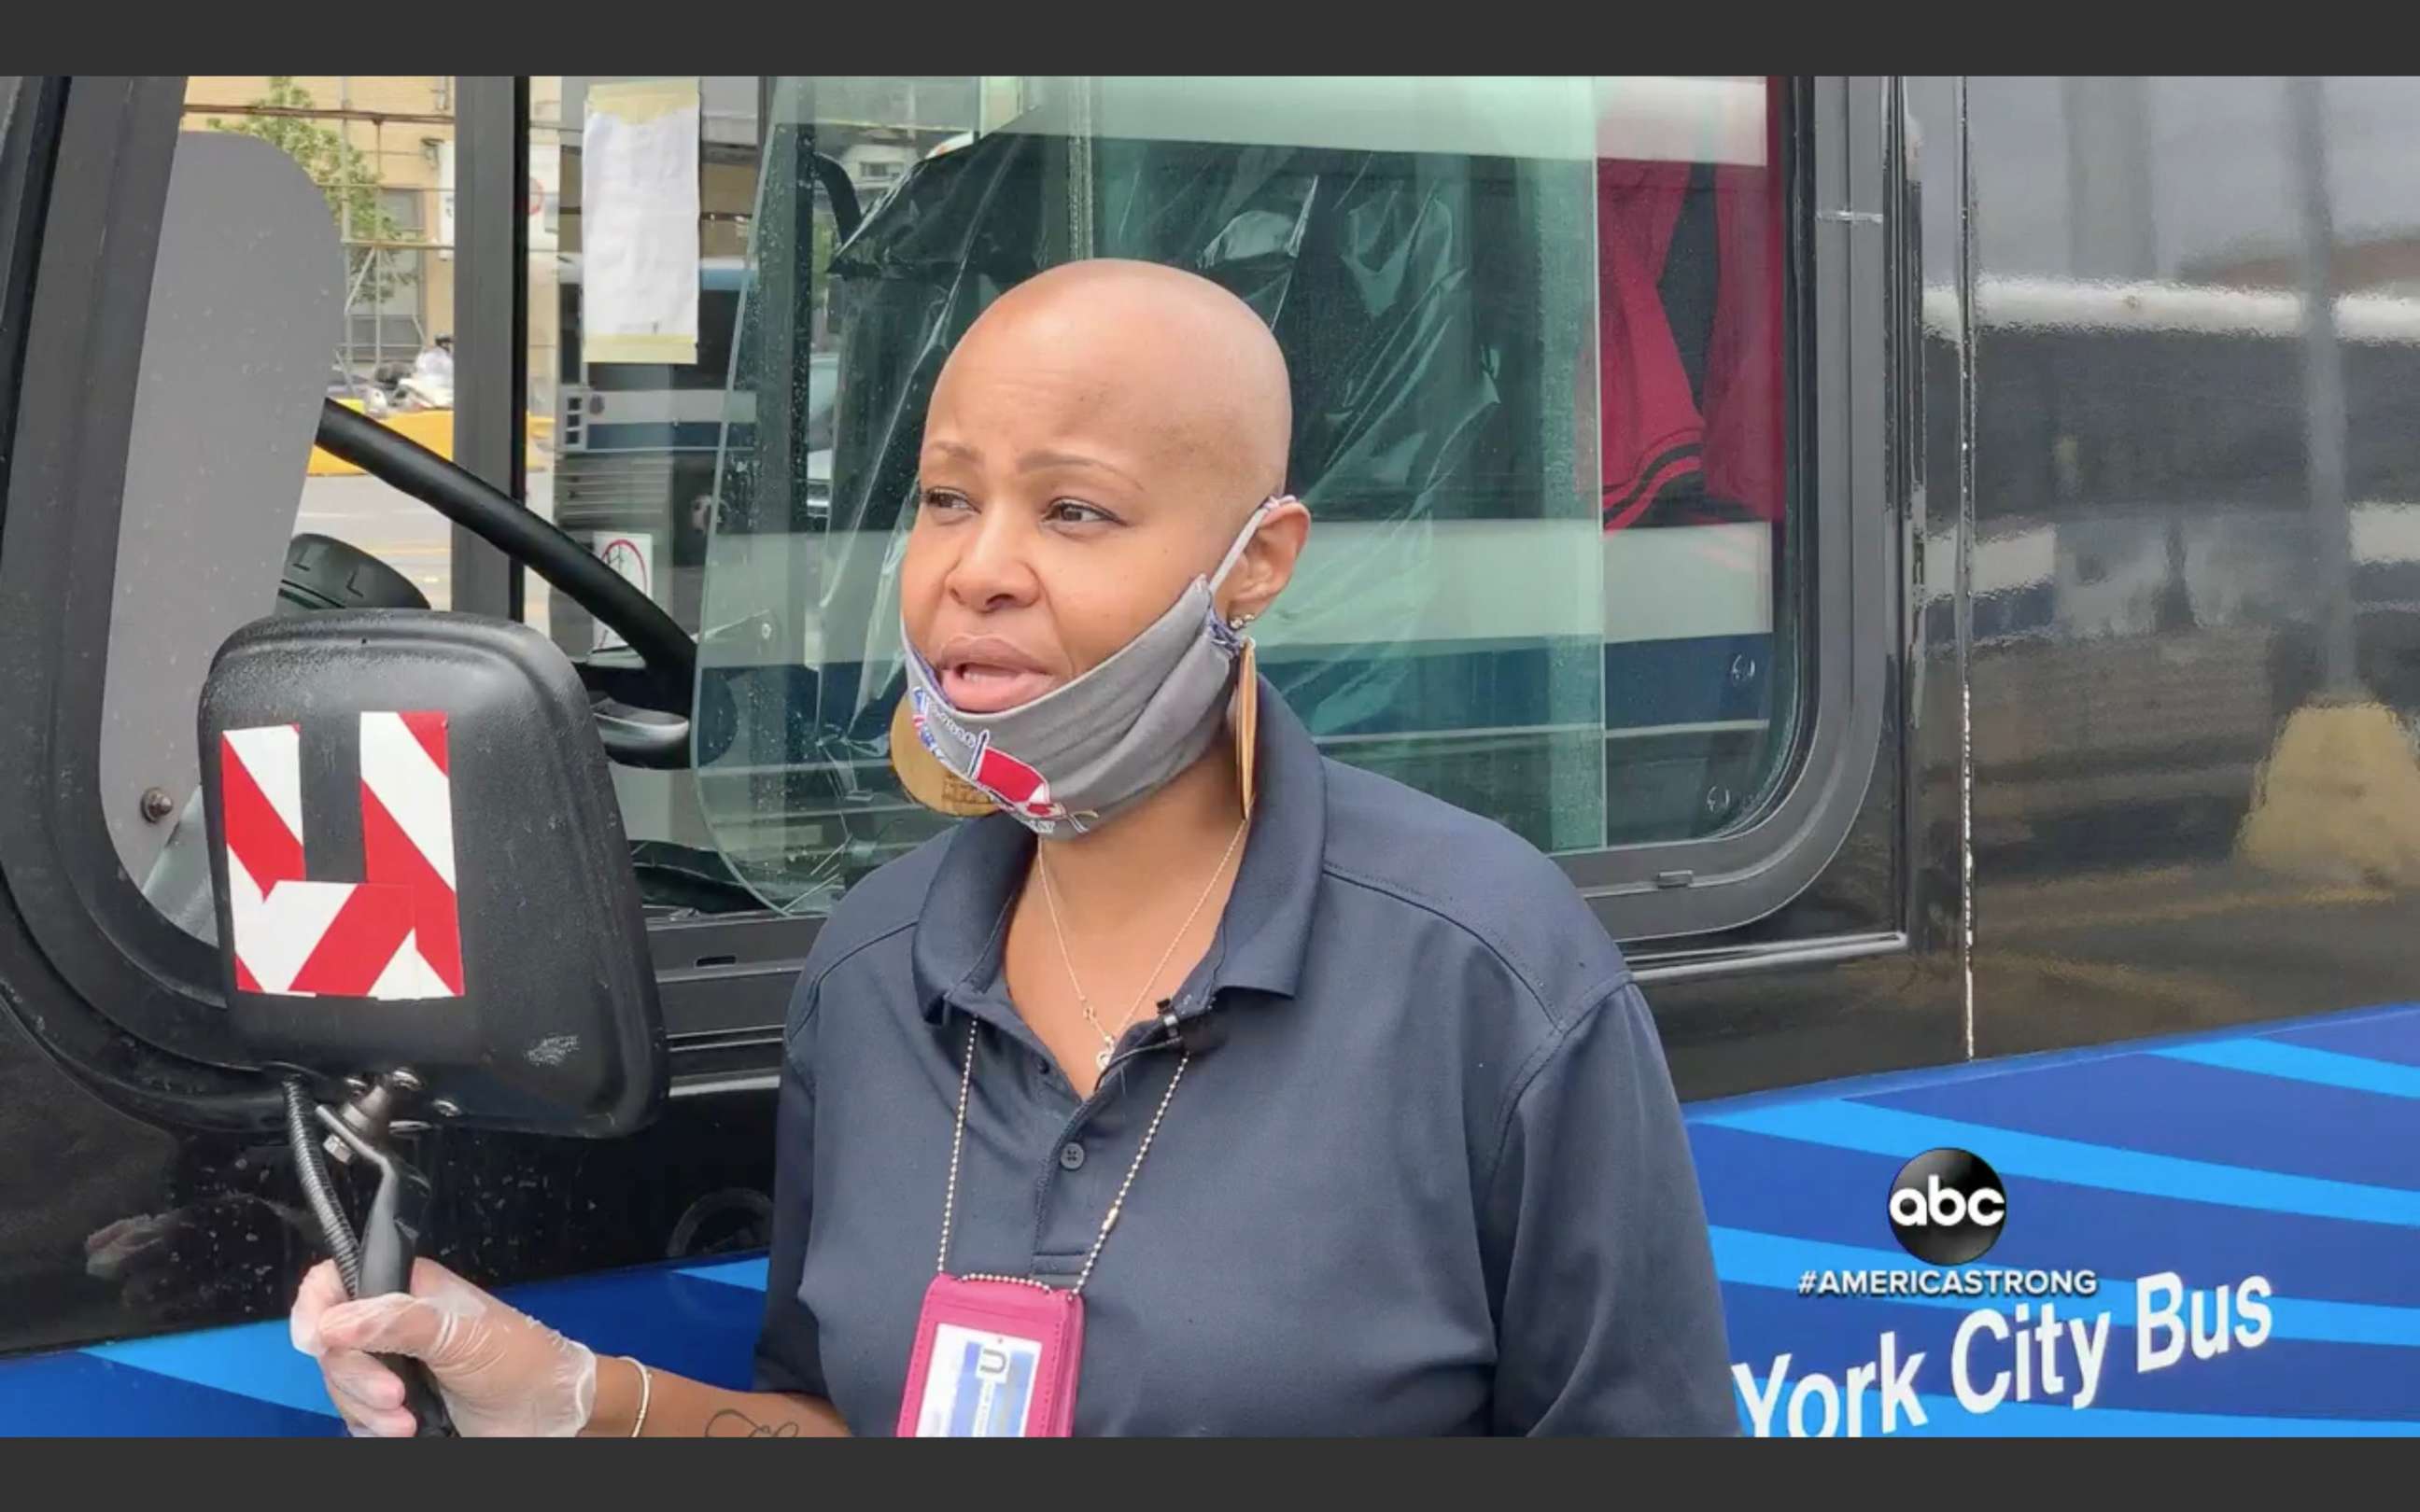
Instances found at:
x=1425 y=1173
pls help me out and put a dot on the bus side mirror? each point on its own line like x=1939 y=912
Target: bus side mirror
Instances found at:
x=420 y=867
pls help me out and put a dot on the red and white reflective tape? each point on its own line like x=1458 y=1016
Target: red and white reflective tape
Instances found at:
x=396 y=933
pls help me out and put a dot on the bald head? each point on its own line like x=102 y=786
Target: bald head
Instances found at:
x=1184 y=369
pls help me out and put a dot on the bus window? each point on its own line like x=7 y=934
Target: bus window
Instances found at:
x=380 y=148
x=622 y=443
x=1536 y=330
x=203 y=513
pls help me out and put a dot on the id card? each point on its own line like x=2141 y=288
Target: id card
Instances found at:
x=977 y=1384
x=993 y=1359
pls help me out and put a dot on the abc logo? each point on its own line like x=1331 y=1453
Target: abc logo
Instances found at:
x=1947 y=1206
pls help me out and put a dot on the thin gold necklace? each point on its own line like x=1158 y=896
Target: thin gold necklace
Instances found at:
x=1051 y=896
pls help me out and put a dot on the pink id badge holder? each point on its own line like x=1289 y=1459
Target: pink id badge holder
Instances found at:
x=993 y=1359
x=997 y=1356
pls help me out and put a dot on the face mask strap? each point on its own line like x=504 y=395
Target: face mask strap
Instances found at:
x=1244 y=537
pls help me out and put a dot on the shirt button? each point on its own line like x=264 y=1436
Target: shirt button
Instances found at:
x=1071 y=1156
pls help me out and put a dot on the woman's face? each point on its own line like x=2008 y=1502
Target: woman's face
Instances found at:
x=1063 y=504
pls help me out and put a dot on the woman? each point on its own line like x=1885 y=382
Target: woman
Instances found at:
x=1209 y=1087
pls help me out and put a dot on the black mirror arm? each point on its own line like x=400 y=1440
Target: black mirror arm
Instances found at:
x=388 y=1241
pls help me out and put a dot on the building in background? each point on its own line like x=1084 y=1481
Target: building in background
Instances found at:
x=382 y=147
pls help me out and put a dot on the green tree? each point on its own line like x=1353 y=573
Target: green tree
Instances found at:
x=349 y=179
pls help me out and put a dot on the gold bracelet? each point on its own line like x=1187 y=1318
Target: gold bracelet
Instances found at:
x=646 y=1389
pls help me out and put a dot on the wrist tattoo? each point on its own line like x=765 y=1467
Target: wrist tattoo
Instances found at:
x=731 y=1423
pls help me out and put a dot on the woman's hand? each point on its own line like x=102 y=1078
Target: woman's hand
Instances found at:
x=502 y=1372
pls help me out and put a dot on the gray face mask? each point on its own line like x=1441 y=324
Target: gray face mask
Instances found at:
x=1089 y=747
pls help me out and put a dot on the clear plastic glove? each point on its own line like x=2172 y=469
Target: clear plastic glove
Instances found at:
x=503 y=1373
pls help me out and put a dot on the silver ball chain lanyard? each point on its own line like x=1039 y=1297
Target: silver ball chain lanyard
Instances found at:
x=997 y=1356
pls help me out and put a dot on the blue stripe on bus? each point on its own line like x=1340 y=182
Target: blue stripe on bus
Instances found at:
x=2387 y=1031
x=78 y=1393
x=748 y=1274
x=661 y=1314
x=689 y=1325
x=2301 y=1063
x=2390 y=1035
x=2167 y=1104
x=1849 y=1126
x=255 y=1360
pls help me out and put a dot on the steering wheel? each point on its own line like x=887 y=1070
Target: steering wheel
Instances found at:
x=654 y=735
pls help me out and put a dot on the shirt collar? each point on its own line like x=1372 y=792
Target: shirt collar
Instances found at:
x=963 y=927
